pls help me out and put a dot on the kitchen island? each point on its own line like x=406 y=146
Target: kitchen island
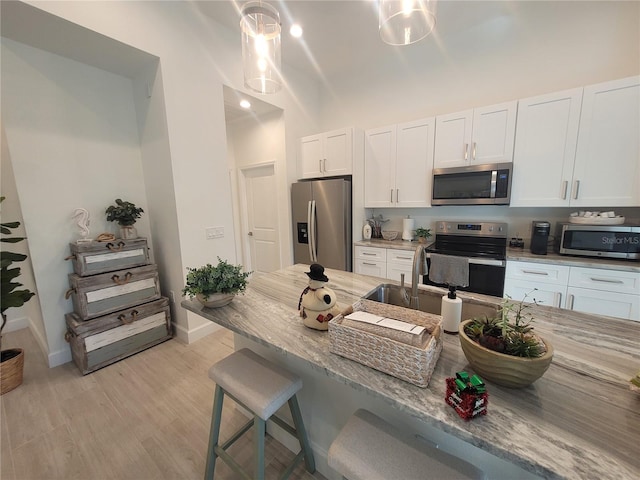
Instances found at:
x=580 y=420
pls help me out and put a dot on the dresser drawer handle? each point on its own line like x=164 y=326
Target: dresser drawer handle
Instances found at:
x=114 y=249
x=605 y=280
x=534 y=272
x=123 y=318
x=67 y=294
x=127 y=277
x=70 y=257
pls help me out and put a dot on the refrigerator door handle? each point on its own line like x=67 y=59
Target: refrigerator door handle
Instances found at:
x=309 y=231
x=314 y=234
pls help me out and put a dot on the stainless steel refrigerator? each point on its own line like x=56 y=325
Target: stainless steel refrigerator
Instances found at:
x=321 y=211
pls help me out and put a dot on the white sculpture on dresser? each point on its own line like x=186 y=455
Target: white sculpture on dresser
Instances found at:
x=317 y=303
x=83 y=220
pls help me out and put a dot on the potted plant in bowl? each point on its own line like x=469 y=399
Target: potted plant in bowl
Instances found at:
x=11 y=360
x=504 y=349
x=215 y=286
x=125 y=214
x=423 y=234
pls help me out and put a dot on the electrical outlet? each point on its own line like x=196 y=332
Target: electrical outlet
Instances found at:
x=214 y=232
x=172 y=297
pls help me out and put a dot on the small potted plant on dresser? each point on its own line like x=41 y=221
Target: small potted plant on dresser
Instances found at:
x=215 y=286
x=423 y=234
x=125 y=214
x=12 y=359
x=504 y=349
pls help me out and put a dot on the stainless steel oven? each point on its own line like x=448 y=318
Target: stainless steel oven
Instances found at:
x=484 y=244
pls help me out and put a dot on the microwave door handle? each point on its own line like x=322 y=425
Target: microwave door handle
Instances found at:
x=494 y=181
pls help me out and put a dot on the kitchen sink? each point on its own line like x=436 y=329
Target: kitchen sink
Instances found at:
x=428 y=301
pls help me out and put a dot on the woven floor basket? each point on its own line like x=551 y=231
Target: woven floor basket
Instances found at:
x=11 y=373
x=404 y=361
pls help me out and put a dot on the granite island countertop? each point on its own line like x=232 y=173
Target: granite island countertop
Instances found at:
x=579 y=421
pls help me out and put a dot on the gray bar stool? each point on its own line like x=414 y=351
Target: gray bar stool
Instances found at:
x=368 y=448
x=262 y=388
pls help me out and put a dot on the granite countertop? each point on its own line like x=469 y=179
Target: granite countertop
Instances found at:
x=524 y=255
x=580 y=420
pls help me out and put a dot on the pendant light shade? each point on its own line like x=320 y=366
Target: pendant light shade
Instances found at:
x=403 y=22
x=260 y=28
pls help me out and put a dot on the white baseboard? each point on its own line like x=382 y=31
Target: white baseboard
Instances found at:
x=14 y=324
x=190 y=336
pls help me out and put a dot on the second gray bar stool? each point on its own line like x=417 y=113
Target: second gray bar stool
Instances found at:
x=262 y=388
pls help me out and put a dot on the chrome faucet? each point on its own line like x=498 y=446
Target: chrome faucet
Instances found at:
x=419 y=268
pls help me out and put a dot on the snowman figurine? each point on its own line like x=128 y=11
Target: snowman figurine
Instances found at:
x=317 y=303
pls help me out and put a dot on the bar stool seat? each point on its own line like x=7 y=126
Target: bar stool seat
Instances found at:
x=261 y=387
x=369 y=448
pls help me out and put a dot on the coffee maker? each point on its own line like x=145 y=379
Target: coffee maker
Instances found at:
x=539 y=237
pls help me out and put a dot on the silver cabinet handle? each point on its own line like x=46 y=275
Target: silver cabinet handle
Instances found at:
x=320 y=165
x=533 y=272
x=397 y=195
x=576 y=189
x=324 y=165
x=466 y=151
x=605 y=280
x=391 y=198
x=370 y=264
x=565 y=186
x=570 y=301
x=370 y=254
x=557 y=299
x=404 y=258
x=473 y=152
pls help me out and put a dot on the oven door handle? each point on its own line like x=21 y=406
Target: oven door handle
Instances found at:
x=487 y=261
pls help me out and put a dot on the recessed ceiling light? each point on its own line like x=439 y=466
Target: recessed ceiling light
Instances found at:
x=295 y=30
x=245 y=104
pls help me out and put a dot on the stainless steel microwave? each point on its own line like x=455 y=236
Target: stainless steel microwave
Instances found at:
x=488 y=184
x=607 y=241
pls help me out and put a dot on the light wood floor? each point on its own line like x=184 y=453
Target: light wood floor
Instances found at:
x=145 y=417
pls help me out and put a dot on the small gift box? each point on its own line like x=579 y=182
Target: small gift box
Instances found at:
x=467 y=395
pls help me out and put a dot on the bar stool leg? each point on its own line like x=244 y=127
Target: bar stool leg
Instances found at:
x=214 y=433
x=302 y=434
x=260 y=432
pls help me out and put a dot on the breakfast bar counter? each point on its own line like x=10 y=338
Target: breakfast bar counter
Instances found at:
x=580 y=420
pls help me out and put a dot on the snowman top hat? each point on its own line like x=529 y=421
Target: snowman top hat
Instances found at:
x=317 y=273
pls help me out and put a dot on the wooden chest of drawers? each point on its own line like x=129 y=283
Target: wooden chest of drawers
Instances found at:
x=107 y=339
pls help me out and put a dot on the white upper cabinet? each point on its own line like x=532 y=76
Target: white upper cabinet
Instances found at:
x=398 y=165
x=545 y=147
x=326 y=154
x=477 y=136
x=607 y=164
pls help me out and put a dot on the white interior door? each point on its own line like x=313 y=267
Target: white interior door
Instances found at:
x=261 y=218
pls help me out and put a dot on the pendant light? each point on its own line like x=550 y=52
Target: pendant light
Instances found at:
x=403 y=22
x=260 y=28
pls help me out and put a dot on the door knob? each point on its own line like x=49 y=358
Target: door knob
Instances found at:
x=250 y=234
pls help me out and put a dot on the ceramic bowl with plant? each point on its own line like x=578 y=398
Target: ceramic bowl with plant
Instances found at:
x=215 y=286
x=423 y=234
x=504 y=349
x=125 y=214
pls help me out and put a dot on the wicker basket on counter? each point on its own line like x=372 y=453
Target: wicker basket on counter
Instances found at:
x=401 y=360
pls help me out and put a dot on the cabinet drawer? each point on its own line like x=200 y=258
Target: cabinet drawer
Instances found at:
x=538 y=272
x=105 y=340
x=105 y=293
x=99 y=257
x=371 y=253
x=605 y=280
x=395 y=270
x=371 y=267
x=600 y=302
x=404 y=257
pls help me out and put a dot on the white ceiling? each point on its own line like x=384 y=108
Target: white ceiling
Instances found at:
x=338 y=32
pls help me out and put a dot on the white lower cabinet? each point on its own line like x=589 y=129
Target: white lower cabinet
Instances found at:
x=597 y=291
x=371 y=261
x=399 y=262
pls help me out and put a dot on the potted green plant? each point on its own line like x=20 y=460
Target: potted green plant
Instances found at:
x=11 y=360
x=423 y=234
x=125 y=214
x=215 y=286
x=504 y=349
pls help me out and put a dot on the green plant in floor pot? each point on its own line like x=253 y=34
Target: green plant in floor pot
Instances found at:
x=215 y=286
x=11 y=360
x=504 y=349
x=125 y=214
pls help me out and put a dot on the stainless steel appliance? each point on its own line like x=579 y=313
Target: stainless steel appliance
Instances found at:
x=608 y=241
x=539 y=237
x=488 y=184
x=321 y=211
x=484 y=244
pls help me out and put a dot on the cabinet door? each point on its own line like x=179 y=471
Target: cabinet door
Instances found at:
x=453 y=139
x=544 y=294
x=599 y=302
x=379 y=167
x=607 y=166
x=338 y=156
x=311 y=156
x=414 y=163
x=545 y=146
x=371 y=267
x=494 y=130
x=395 y=271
